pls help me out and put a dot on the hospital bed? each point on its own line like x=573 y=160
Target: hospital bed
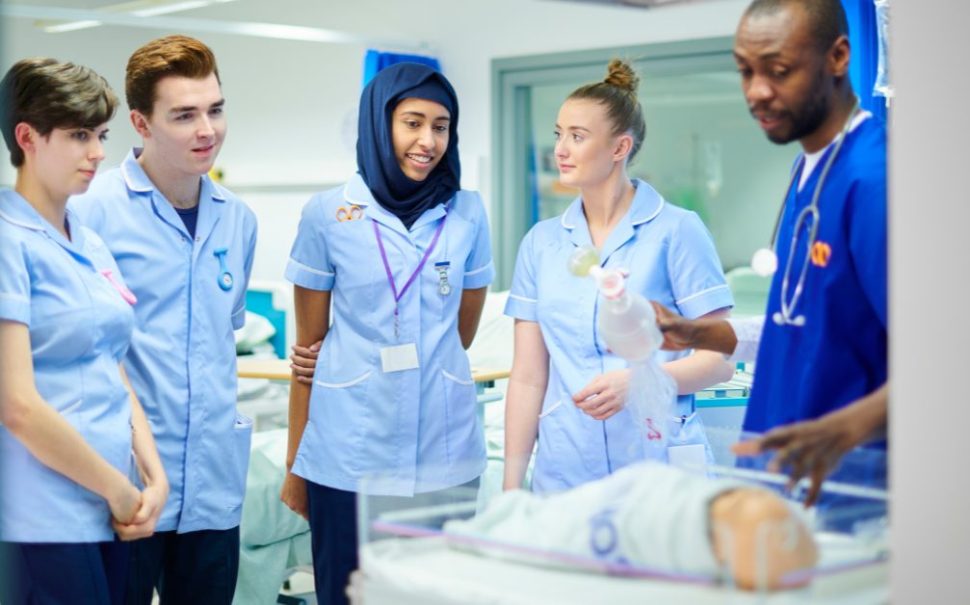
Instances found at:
x=407 y=558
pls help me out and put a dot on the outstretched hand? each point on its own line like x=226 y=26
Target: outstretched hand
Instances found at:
x=813 y=448
x=679 y=333
x=810 y=449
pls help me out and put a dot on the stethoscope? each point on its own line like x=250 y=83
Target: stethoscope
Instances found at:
x=225 y=277
x=765 y=261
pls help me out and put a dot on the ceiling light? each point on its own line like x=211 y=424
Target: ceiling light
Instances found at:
x=69 y=26
x=60 y=19
x=138 y=8
x=164 y=9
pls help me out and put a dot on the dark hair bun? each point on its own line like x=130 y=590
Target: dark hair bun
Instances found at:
x=620 y=74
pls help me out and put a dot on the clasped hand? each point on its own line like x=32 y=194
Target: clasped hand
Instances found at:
x=135 y=514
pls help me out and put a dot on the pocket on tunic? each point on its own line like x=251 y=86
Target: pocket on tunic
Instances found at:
x=689 y=430
x=463 y=381
x=345 y=384
x=550 y=409
x=71 y=408
x=242 y=432
x=346 y=414
x=465 y=434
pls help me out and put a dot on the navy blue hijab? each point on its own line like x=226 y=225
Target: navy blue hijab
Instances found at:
x=402 y=196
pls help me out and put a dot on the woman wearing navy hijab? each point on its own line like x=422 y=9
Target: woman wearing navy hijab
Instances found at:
x=402 y=257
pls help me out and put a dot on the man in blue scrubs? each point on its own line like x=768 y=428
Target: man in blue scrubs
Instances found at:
x=823 y=344
x=185 y=246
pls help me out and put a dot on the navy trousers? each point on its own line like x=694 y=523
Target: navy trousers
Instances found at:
x=55 y=574
x=333 y=540
x=333 y=533
x=194 y=567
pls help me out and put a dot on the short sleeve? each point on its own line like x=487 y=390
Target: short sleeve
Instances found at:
x=867 y=240
x=522 y=296
x=239 y=308
x=479 y=270
x=310 y=265
x=695 y=270
x=14 y=279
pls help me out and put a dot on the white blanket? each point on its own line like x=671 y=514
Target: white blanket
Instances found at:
x=647 y=515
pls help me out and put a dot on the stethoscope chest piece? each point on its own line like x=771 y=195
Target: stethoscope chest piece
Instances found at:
x=764 y=262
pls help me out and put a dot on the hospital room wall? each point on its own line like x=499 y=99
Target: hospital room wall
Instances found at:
x=279 y=130
x=466 y=54
x=291 y=105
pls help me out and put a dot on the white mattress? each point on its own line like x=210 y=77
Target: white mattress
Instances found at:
x=426 y=571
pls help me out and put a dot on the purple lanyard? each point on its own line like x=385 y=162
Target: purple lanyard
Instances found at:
x=387 y=266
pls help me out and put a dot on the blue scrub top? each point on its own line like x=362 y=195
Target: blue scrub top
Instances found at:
x=417 y=429
x=671 y=258
x=182 y=361
x=840 y=354
x=80 y=327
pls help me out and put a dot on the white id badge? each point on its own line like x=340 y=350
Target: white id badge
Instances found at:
x=401 y=357
x=688 y=457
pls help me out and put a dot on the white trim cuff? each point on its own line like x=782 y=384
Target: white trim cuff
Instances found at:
x=307 y=277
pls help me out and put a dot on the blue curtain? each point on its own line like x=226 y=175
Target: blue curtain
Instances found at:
x=864 y=40
x=375 y=60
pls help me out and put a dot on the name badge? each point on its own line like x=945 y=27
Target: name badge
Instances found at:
x=401 y=357
x=688 y=457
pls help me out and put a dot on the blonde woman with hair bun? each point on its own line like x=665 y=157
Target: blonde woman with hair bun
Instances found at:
x=567 y=389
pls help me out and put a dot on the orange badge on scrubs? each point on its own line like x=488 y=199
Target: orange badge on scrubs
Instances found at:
x=821 y=253
x=351 y=213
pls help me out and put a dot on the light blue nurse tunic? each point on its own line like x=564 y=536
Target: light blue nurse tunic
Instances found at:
x=671 y=259
x=416 y=429
x=182 y=361
x=67 y=293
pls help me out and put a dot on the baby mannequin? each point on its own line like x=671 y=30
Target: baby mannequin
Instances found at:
x=656 y=517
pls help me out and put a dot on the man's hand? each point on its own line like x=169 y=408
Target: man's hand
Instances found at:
x=810 y=449
x=679 y=333
x=305 y=362
x=813 y=448
x=706 y=333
